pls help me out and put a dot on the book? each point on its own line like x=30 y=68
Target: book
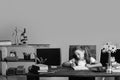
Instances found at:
x=80 y=68
x=42 y=68
x=115 y=70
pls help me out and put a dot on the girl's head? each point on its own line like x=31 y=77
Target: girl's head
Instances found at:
x=81 y=53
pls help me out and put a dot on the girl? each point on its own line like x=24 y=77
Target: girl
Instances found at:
x=82 y=60
x=82 y=57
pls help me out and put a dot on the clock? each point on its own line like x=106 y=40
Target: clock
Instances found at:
x=12 y=54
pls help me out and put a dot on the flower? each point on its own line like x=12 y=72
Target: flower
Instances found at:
x=109 y=48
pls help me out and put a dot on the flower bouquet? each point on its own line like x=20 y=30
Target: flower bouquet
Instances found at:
x=109 y=48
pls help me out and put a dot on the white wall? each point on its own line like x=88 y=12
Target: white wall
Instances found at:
x=62 y=23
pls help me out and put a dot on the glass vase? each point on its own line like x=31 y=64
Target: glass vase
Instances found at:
x=109 y=64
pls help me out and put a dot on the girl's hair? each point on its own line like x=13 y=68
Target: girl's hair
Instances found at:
x=87 y=54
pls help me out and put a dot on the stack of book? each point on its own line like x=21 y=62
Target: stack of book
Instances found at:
x=115 y=70
x=20 y=69
x=5 y=42
x=43 y=68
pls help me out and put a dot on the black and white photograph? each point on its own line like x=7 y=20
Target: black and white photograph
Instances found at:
x=59 y=40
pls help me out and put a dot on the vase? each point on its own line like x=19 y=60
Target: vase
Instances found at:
x=109 y=64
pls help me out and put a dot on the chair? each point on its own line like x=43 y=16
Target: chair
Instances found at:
x=72 y=49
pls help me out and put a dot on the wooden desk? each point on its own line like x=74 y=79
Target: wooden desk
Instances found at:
x=66 y=72
x=79 y=74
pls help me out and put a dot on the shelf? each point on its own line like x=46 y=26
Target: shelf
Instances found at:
x=13 y=45
x=19 y=60
x=19 y=49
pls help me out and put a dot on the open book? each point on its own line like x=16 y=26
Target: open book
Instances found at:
x=80 y=68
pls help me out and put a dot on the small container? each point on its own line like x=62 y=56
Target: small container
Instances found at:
x=26 y=56
x=109 y=69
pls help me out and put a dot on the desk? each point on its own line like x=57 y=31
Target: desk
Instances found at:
x=66 y=72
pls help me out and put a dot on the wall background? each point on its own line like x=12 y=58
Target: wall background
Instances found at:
x=62 y=23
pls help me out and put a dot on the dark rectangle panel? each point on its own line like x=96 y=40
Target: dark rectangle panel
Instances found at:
x=49 y=56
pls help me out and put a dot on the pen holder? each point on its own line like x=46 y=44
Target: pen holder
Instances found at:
x=26 y=56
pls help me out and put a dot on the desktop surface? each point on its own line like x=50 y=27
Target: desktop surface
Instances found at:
x=68 y=72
